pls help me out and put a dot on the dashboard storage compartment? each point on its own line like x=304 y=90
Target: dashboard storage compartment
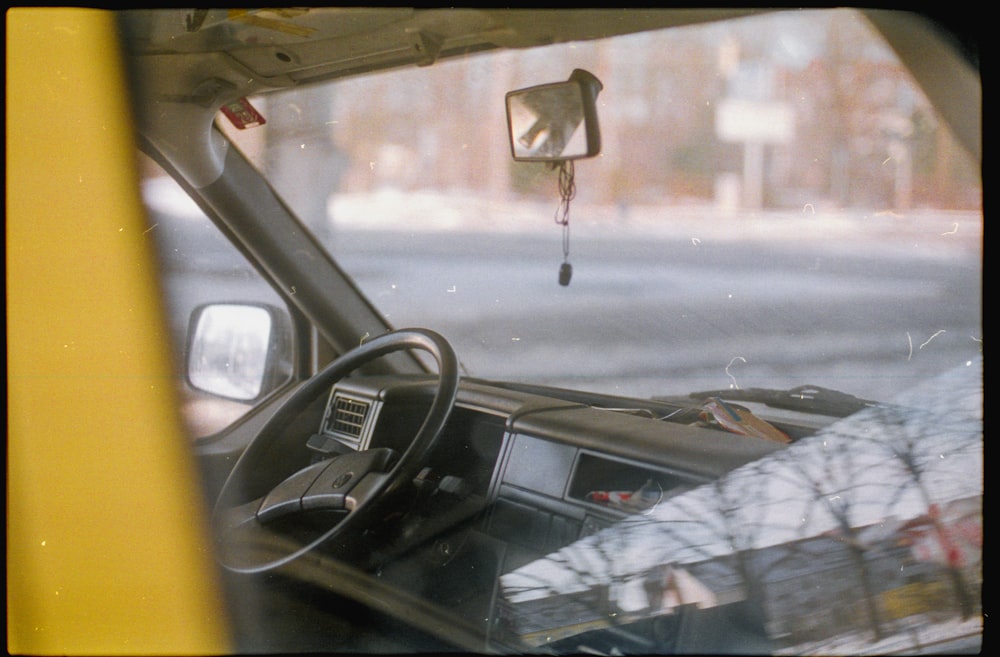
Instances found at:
x=621 y=485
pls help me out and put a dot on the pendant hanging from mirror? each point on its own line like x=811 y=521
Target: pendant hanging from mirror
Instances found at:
x=567 y=190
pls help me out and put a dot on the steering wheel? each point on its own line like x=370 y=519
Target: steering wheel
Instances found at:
x=349 y=484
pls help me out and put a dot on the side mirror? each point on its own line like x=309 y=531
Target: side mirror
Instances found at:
x=555 y=122
x=238 y=351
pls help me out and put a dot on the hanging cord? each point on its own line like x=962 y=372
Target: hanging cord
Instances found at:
x=567 y=191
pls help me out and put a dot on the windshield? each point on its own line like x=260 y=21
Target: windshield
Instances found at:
x=775 y=203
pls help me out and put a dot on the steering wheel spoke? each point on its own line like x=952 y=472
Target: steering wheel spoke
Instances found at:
x=332 y=487
x=286 y=497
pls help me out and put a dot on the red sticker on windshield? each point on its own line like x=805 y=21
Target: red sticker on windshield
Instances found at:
x=242 y=114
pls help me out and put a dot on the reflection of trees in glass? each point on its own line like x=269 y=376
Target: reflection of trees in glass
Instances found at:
x=920 y=461
x=734 y=524
x=825 y=510
x=830 y=479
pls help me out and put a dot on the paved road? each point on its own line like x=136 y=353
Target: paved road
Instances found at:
x=664 y=316
x=653 y=313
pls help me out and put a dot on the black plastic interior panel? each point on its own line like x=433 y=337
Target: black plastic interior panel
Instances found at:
x=539 y=465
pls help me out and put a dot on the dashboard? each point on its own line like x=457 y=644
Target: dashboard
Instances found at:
x=517 y=475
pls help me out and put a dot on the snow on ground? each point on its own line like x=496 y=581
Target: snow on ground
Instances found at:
x=428 y=211
x=925 y=636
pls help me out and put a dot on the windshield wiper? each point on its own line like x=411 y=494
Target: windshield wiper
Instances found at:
x=808 y=399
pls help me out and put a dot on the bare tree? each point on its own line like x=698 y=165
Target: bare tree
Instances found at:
x=830 y=478
x=923 y=444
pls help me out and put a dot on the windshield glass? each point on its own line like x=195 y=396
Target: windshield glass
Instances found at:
x=775 y=204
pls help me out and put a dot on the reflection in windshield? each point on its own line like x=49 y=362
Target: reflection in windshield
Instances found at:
x=545 y=122
x=830 y=236
x=880 y=512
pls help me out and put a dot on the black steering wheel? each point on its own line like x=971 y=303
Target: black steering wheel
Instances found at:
x=348 y=485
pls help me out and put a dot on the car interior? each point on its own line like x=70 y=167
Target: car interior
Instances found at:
x=375 y=495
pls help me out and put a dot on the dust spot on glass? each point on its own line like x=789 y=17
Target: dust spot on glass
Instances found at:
x=928 y=341
x=734 y=385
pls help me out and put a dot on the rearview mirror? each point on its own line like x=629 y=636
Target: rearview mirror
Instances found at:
x=555 y=122
x=238 y=351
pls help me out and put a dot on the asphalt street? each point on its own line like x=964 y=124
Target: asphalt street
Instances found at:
x=655 y=314
x=659 y=315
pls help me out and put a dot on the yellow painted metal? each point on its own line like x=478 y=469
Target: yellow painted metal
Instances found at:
x=107 y=548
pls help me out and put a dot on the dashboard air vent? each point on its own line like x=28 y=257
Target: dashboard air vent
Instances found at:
x=348 y=416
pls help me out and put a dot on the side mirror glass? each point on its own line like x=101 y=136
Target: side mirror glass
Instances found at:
x=555 y=122
x=238 y=351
